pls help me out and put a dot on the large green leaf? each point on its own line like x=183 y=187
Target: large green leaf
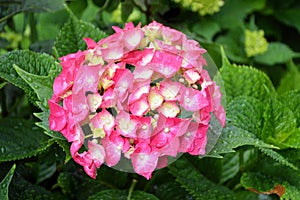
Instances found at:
x=70 y=37
x=290 y=17
x=266 y=175
x=243 y=126
x=5 y=183
x=233 y=13
x=197 y=184
x=41 y=85
x=12 y=8
x=245 y=81
x=121 y=195
x=277 y=157
x=261 y=183
x=36 y=64
x=291 y=99
x=21 y=139
x=43 y=6
x=290 y=80
x=279 y=124
x=233 y=43
x=277 y=53
x=246 y=113
x=20 y=188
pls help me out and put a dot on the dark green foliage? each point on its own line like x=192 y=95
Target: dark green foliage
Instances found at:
x=70 y=37
x=21 y=139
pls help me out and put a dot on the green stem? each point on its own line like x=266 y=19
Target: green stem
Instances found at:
x=134 y=181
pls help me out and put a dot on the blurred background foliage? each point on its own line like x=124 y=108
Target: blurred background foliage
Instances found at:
x=264 y=34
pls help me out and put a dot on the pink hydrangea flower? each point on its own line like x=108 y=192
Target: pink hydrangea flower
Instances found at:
x=141 y=95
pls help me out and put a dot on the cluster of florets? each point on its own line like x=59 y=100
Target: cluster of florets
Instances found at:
x=255 y=42
x=203 y=7
x=141 y=94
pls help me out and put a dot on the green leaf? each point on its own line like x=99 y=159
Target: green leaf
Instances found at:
x=20 y=188
x=20 y=139
x=65 y=145
x=290 y=80
x=37 y=64
x=290 y=17
x=12 y=8
x=172 y=190
x=2 y=85
x=207 y=29
x=243 y=126
x=246 y=113
x=233 y=43
x=277 y=53
x=70 y=38
x=245 y=81
x=114 y=194
x=277 y=157
x=197 y=184
x=42 y=85
x=279 y=124
x=43 y=6
x=262 y=183
x=44 y=124
x=233 y=137
x=230 y=167
x=126 y=9
x=238 y=11
x=5 y=183
x=291 y=99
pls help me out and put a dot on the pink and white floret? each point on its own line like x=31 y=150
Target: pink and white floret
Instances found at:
x=141 y=94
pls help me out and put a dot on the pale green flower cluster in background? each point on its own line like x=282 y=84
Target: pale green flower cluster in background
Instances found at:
x=255 y=42
x=203 y=7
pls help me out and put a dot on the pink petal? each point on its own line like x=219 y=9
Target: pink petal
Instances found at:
x=113 y=52
x=169 y=90
x=97 y=153
x=104 y=120
x=155 y=99
x=80 y=108
x=133 y=38
x=91 y=44
x=144 y=127
x=142 y=73
x=125 y=126
x=193 y=100
x=139 y=107
x=171 y=149
x=144 y=163
x=94 y=101
x=166 y=64
x=58 y=116
x=108 y=98
x=87 y=79
x=139 y=88
x=91 y=170
x=194 y=130
x=191 y=76
x=113 y=148
x=169 y=109
x=124 y=82
x=172 y=35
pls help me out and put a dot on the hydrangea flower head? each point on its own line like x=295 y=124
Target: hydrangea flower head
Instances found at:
x=203 y=7
x=255 y=42
x=140 y=95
